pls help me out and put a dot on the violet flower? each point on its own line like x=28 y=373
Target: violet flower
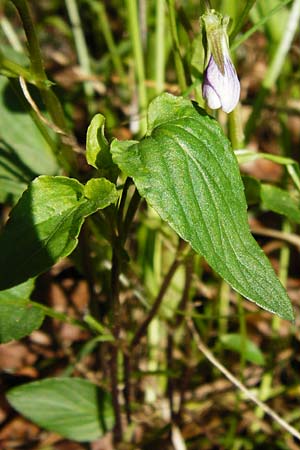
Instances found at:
x=221 y=86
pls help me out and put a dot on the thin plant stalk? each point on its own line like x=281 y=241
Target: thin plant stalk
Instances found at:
x=224 y=300
x=50 y=100
x=248 y=393
x=10 y=34
x=81 y=47
x=245 y=36
x=159 y=46
x=100 y=10
x=275 y=66
x=115 y=319
x=135 y=35
x=242 y=18
x=155 y=307
x=176 y=48
x=236 y=132
x=265 y=390
x=155 y=332
x=16 y=69
x=243 y=334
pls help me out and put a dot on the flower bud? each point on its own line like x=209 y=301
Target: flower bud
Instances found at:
x=221 y=86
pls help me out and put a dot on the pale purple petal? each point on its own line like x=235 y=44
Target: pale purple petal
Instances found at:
x=224 y=87
x=212 y=98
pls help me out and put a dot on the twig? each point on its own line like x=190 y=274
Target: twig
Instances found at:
x=127 y=386
x=130 y=213
x=155 y=307
x=267 y=410
x=170 y=387
x=186 y=290
x=291 y=238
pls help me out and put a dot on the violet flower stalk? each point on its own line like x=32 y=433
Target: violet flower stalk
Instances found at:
x=221 y=86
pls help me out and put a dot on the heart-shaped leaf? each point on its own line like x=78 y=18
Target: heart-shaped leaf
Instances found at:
x=187 y=171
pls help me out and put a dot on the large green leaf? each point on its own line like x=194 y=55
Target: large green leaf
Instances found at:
x=18 y=317
x=45 y=224
x=186 y=170
x=72 y=407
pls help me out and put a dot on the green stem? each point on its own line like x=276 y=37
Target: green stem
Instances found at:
x=81 y=47
x=275 y=66
x=159 y=46
x=242 y=18
x=207 y=4
x=224 y=300
x=16 y=69
x=11 y=35
x=176 y=48
x=243 y=333
x=33 y=44
x=236 y=132
x=131 y=210
x=100 y=10
x=60 y=316
x=245 y=36
x=50 y=100
x=265 y=390
x=39 y=124
x=139 y=60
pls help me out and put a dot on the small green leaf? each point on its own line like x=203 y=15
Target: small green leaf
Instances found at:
x=44 y=225
x=280 y=201
x=97 y=148
x=245 y=156
x=18 y=318
x=72 y=407
x=186 y=170
x=100 y=191
x=252 y=353
x=20 y=292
